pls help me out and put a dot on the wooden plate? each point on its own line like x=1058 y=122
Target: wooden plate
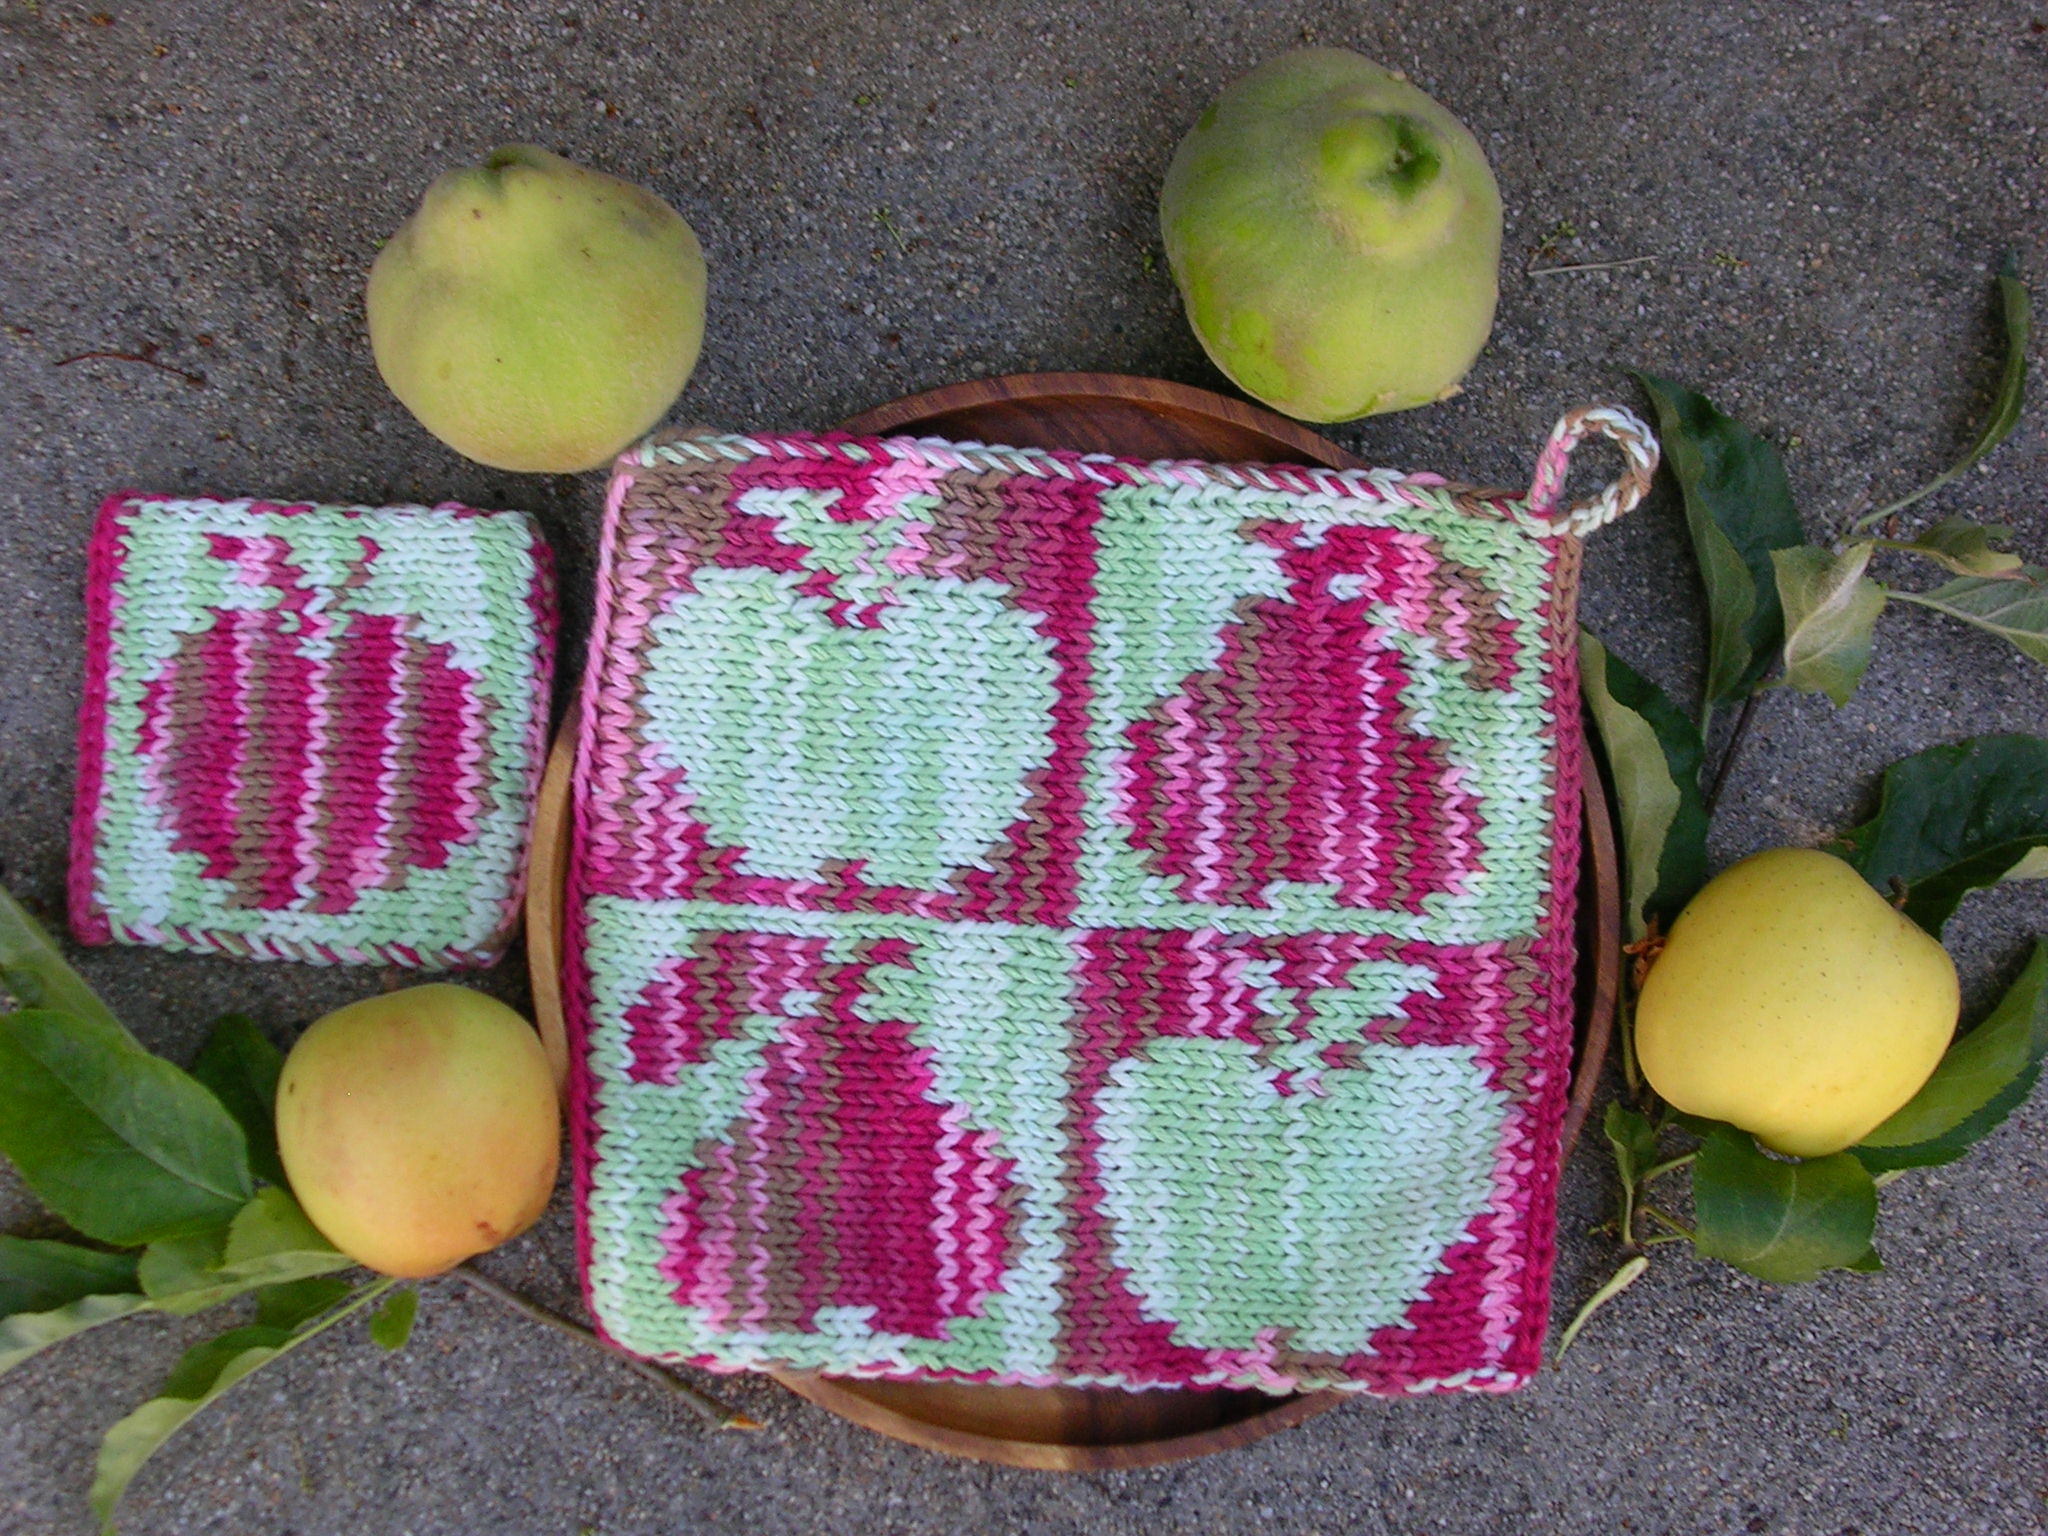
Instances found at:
x=1077 y=1428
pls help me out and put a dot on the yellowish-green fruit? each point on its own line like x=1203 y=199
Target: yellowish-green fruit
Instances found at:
x=419 y=1128
x=1792 y=1000
x=535 y=315
x=1336 y=237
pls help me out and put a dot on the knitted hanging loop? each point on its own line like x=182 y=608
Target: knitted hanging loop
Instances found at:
x=1638 y=449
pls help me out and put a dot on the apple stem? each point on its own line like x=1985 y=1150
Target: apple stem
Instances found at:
x=715 y=1413
x=1663 y=1168
x=1624 y=1277
x=1676 y=1226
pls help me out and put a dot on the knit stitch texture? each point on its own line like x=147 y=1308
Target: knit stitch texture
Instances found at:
x=310 y=732
x=1049 y=918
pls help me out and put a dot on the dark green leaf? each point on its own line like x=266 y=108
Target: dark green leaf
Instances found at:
x=1982 y=1078
x=296 y=1302
x=1952 y=819
x=242 y=1067
x=1782 y=1222
x=36 y=1275
x=1697 y=1125
x=1738 y=506
x=35 y=974
x=1634 y=1140
x=1653 y=756
x=120 y=1143
x=1968 y=549
x=1869 y=1264
x=2014 y=607
x=1831 y=610
x=391 y=1325
x=27 y=1332
x=206 y=1371
x=2016 y=314
x=269 y=1241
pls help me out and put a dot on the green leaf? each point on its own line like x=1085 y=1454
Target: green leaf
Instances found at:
x=391 y=1324
x=1738 y=506
x=120 y=1143
x=1869 y=1264
x=36 y=1275
x=2016 y=314
x=1653 y=757
x=1968 y=549
x=296 y=1302
x=1831 y=610
x=268 y=1242
x=1952 y=819
x=23 y=1334
x=1633 y=1138
x=206 y=1371
x=2032 y=866
x=241 y=1067
x=1782 y=1222
x=175 y=1267
x=35 y=974
x=2014 y=607
x=1982 y=1078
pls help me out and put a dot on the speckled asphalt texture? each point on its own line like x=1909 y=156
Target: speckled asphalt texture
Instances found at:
x=895 y=197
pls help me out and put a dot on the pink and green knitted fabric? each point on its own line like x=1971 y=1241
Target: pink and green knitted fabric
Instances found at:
x=310 y=732
x=1048 y=918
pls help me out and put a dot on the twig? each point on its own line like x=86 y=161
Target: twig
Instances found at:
x=1728 y=757
x=1624 y=1277
x=147 y=357
x=1592 y=266
x=715 y=1413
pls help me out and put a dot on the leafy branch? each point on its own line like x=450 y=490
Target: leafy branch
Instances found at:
x=1950 y=820
x=171 y=1182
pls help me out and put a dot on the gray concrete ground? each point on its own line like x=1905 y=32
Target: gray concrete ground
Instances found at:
x=893 y=197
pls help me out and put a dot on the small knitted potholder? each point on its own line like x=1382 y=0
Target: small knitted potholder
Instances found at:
x=1050 y=918
x=310 y=732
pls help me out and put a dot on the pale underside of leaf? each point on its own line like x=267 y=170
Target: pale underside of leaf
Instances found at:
x=1831 y=610
x=1961 y=546
x=269 y=1242
x=1642 y=785
x=26 y=1333
x=2015 y=607
x=1653 y=757
x=2033 y=867
x=134 y=1439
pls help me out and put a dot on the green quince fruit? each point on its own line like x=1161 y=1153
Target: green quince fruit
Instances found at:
x=535 y=315
x=1336 y=237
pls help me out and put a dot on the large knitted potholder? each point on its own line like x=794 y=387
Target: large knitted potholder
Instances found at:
x=1049 y=918
x=310 y=732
